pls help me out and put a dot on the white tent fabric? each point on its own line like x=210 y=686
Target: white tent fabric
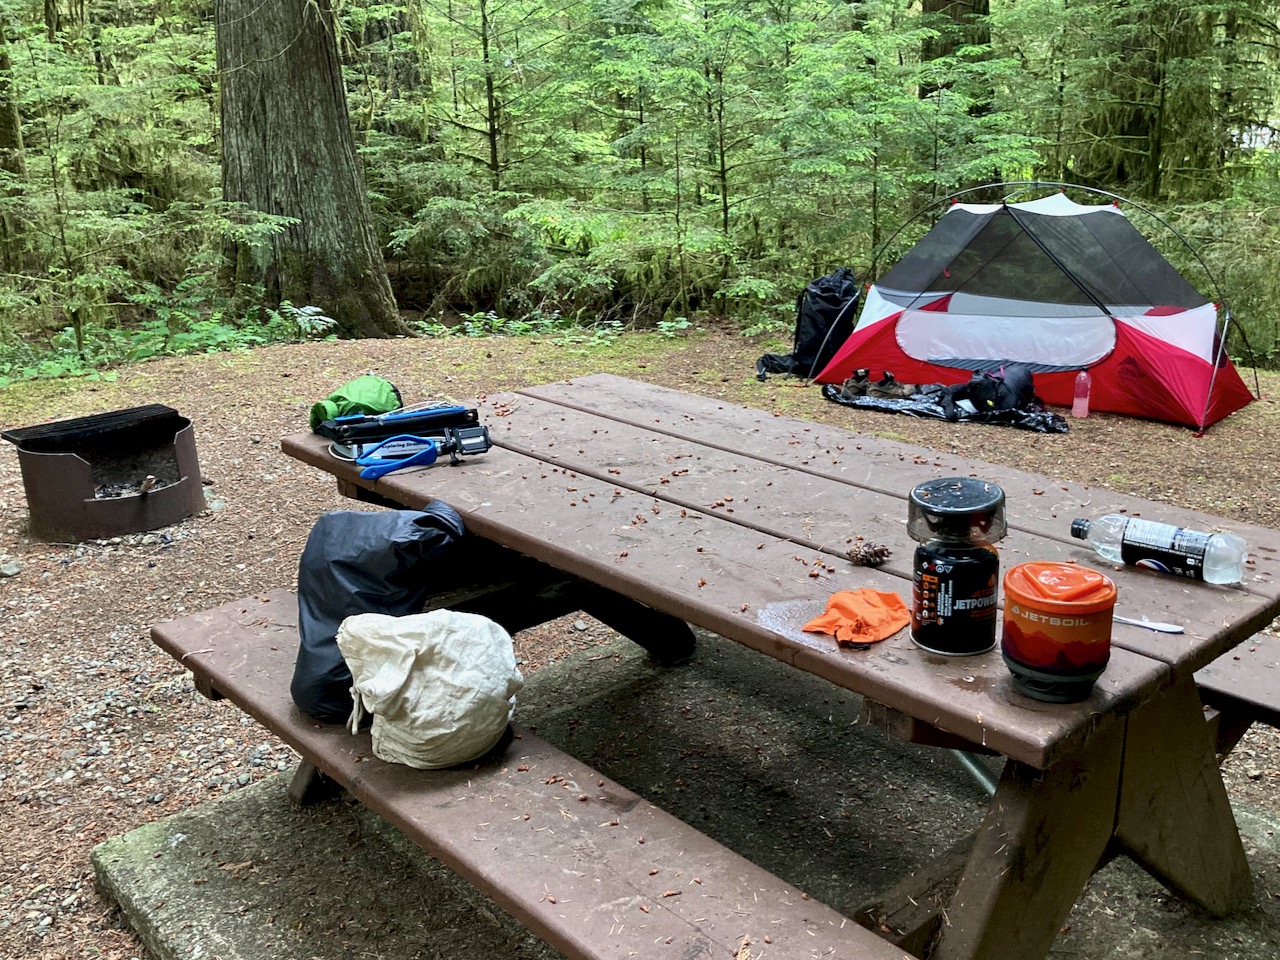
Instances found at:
x=1054 y=205
x=1191 y=330
x=943 y=338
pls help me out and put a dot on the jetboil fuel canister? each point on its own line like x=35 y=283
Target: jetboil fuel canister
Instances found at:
x=956 y=521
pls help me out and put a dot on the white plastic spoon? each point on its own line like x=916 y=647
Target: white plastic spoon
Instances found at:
x=1149 y=624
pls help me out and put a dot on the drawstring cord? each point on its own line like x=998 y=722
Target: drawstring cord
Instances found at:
x=357 y=711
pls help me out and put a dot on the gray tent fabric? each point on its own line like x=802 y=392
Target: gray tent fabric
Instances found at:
x=1100 y=260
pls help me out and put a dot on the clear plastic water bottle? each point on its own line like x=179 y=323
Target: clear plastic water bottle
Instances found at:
x=1080 y=402
x=1211 y=557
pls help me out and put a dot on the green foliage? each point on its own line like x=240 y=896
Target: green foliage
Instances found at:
x=301 y=323
x=20 y=360
x=583 y=341
x=564 y=170
x=670 y=329
x=1153 y=98
x=555 y=328
x=1236 y=243
x=177 y=322
x=490 y=324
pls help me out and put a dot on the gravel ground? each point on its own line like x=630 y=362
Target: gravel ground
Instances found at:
x=99 y=732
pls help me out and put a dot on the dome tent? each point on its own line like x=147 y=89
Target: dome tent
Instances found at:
x=1060 y=286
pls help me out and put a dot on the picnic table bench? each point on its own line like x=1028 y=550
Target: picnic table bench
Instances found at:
x=1242 y=688
x=660 y=509
x=580 y=860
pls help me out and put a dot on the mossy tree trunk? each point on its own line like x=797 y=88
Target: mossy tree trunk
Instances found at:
x=959 y=24
x=287 y=150
x=12 y=163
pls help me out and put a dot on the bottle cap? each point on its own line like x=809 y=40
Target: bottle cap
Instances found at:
x=1080 y=528
x=956 y=508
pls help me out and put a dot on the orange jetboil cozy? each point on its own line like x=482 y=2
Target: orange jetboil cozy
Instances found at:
x=1057 y=629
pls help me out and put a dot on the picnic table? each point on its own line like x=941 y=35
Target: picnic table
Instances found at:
x=671 y=508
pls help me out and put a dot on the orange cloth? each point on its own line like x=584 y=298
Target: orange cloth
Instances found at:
x=861 y=616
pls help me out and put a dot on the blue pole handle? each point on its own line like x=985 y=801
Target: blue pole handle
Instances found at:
x=375 y=466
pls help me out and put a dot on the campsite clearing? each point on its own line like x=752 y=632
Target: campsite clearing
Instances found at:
x=83 y=679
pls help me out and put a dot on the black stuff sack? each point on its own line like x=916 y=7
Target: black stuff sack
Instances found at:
x=355 y=563
x=1005 y=386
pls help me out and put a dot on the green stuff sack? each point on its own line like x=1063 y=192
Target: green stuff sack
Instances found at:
x=363 y=395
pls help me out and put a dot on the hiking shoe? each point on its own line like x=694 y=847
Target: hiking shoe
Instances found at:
x=890 y=389
x=856 y=386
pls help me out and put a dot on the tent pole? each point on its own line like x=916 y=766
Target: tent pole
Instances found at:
x=1102 y=307
x=1217 y=365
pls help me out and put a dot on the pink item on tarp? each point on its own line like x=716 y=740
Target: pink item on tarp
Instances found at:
x=856 y=617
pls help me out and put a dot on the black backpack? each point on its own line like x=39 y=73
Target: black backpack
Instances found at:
x=824 y=320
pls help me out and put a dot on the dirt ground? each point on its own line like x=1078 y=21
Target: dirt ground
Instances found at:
x=100 y=733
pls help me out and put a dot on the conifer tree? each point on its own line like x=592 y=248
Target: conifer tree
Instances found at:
x=287 y=150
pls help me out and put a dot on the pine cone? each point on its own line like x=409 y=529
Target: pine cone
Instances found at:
x=868 y=553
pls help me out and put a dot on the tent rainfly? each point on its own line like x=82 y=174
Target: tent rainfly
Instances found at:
x=1061 y=286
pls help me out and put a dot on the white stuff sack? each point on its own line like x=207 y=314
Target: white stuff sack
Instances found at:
x=441 y=685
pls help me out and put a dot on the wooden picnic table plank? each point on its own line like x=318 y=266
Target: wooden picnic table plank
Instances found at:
x=576 y=857
x=1036 y=503
x=823 y=513
x=1247 y=679
x=746 y=586
x=1215 y=617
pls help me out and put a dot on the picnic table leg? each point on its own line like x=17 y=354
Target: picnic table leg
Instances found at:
x=1043 y=836
x=309 y=786
x=1175 y=819
x=668 y=639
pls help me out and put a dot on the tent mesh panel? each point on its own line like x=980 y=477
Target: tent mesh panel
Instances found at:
x=1098 y=258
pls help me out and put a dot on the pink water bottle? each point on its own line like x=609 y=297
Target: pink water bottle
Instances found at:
x=1080 y=404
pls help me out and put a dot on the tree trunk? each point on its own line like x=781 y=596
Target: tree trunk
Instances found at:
x=52 y=20
x=287 y=150
x=965 y=25
x=493 y=128
x=12 y=162
x=722 y=184
x=11 y=156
